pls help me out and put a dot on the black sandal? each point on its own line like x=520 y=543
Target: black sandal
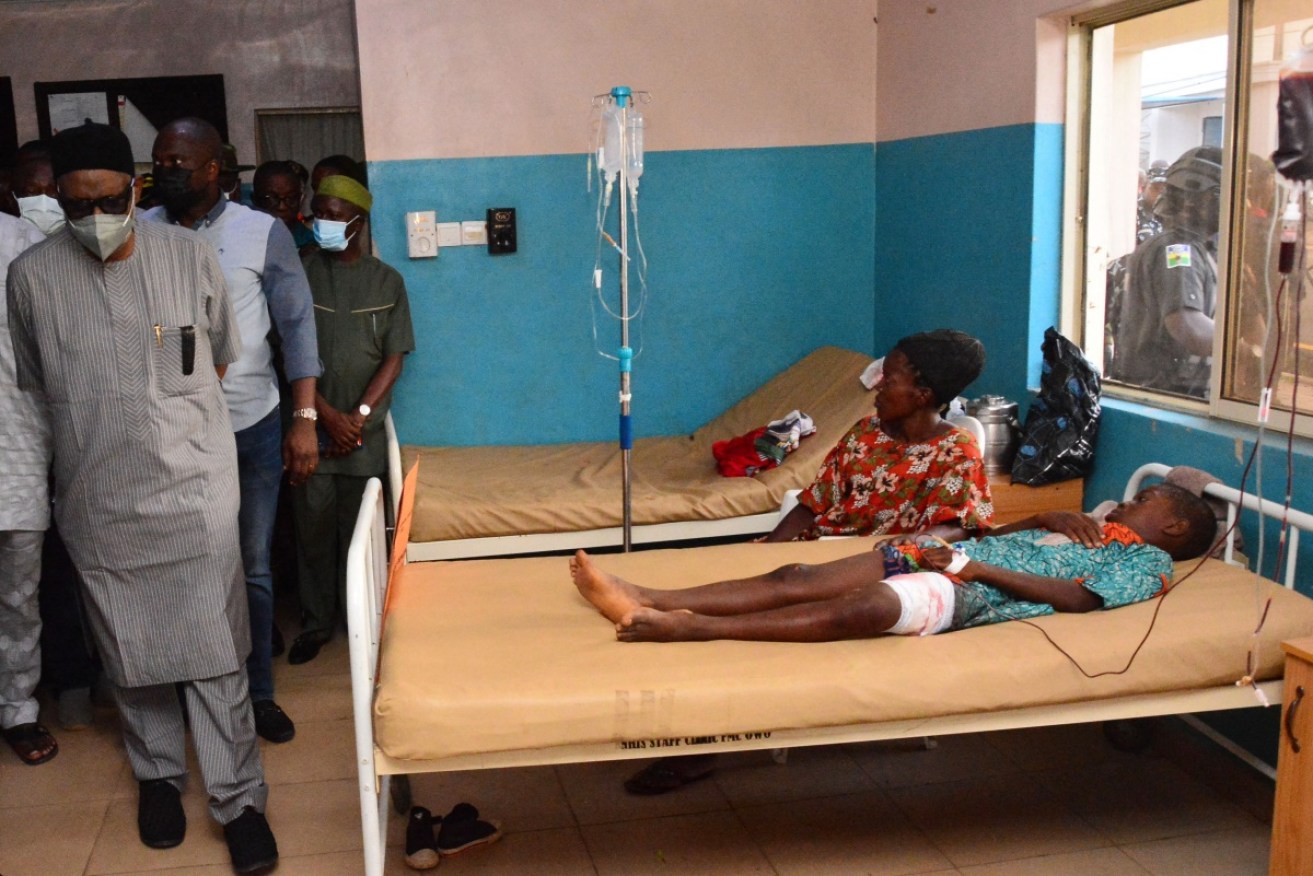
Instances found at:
x=29 y=739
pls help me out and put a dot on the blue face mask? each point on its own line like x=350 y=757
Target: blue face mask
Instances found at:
x=330 y=235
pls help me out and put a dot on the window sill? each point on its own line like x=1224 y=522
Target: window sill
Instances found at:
x=1202 y=422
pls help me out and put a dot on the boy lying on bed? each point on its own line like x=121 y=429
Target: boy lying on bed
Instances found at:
x=1055 y=561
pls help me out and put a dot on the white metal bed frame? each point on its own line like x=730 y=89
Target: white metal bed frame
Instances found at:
x=367 y=573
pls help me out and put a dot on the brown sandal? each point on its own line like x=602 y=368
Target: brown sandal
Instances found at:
x=31 y=742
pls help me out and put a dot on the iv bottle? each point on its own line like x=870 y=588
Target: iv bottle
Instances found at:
x=634 y=147
x=610 y=160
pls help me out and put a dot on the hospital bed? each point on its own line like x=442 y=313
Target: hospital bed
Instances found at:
x=499 y=662
x=495 y=501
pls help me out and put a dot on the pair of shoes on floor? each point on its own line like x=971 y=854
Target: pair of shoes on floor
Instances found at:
x=306 y=648
x=459 y=830
x=161 y=823
x=251 y=843
x=75 y=711
x=271 y=722
x=32 y=742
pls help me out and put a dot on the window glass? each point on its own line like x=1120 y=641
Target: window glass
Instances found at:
x=1269 y=321
x=1154 y=189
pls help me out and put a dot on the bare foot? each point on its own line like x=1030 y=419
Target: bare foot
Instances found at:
x=644 y=624
x=614 y=597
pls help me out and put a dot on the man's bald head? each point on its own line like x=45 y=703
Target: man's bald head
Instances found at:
x=198 y=132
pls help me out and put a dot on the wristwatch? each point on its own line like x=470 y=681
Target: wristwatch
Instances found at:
x=306 y=414
x=364 y=410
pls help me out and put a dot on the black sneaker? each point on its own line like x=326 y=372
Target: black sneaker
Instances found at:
x=462 y=829
x=271 y=722
x=251 y=843
x=421 y=853
x=161 y=823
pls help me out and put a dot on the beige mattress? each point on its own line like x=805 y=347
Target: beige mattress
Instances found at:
x=472 y=492
x=503 y=655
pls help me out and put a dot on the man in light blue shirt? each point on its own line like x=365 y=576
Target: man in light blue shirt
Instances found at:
x=270 y=296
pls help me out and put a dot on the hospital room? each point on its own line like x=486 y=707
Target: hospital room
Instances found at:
x=639 y=236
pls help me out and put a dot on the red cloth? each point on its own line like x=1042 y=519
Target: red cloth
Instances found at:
x=738 y=457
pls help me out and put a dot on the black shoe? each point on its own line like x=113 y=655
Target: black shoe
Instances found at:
x=306 y=648
x=462 y=829
x=421 y=852
x=276 y=645
x=161 y=823
x=251 y=843
x=271 y=722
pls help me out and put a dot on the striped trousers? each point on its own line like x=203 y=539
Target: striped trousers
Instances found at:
x=20 y=625
x=222 y=729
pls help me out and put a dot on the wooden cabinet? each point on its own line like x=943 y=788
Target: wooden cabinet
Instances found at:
x=1292 y=822
x=1014 y=502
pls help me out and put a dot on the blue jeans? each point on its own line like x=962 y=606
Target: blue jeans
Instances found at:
x=259 y=473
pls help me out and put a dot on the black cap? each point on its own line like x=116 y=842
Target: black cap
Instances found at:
x=91 y=147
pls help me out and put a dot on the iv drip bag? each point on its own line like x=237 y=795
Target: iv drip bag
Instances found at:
x=1294 y=154
x=611 y=159
x=634 y=147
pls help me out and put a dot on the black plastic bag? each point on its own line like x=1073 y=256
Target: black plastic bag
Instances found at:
x=1057 y=441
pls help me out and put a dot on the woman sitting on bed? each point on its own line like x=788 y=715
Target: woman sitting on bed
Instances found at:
x=1056 y=561
x=904 y=469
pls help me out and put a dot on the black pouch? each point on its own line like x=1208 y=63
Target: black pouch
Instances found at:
x=1057 y=440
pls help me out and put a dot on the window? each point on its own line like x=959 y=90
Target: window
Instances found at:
x=1180 y=300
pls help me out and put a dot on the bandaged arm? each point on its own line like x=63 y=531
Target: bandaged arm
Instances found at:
x=1062 y=594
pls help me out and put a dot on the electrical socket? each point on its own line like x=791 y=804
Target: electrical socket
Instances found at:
x=501 y=230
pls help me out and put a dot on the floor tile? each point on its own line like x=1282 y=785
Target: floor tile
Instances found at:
x=998 y=818
x=29 y=847
x=596 y=794
x=752 y=777
x=118 y=848
x=1091 y=862
x=713 y=843
x=905 y=763
x=1166 y=802
x=86 y=768
x=321 y=751
x=861 y=833
x=1241 y=852
x=315 y=817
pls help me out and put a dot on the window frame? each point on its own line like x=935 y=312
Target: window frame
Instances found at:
x=1074 y=308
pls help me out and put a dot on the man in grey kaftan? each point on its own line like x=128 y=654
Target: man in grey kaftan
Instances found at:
x=124 y=329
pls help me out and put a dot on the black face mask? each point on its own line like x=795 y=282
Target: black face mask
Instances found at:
x=174 y=191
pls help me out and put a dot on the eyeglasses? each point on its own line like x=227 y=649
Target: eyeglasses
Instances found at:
x=272 y=200
x=114 y=205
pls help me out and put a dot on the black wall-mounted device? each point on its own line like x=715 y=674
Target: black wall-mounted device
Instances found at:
x=501 y=230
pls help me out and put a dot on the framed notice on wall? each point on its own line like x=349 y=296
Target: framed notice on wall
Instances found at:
x=8 y=125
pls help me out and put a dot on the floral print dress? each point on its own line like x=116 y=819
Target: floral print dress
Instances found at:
x=874 y=484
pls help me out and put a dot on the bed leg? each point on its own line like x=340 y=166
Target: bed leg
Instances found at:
x=779 y=755
x=930 y=743
x=401 y=796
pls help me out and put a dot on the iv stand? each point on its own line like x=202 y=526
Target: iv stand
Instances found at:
x=623 y=97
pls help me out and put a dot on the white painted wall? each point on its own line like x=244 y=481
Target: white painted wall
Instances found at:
x=514 y=77
x=293 y=53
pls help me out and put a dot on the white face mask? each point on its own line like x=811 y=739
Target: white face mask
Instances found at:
x=103 y=234
x=331 y=235
x=42 y=211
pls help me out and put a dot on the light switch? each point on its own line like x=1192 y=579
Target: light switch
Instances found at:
x=422 y=234
x=474 y=233
x=448 y=234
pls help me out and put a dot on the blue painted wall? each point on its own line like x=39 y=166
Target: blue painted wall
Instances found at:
x=757 y=256
x=968 y=235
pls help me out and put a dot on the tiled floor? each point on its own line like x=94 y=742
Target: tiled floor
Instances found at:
x=1024 y=803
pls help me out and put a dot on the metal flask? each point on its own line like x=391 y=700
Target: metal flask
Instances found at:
x=1002 y=431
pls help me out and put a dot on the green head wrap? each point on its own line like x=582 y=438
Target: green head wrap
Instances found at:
x=346 y=189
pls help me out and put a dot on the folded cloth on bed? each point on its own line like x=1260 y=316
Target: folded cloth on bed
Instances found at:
x=528 y=664
x=763 y=448
x=783 y=436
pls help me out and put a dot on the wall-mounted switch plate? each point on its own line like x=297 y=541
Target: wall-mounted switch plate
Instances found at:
x=448 y=234
x=501 y=230
x=474 y=233
x=422 y=234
